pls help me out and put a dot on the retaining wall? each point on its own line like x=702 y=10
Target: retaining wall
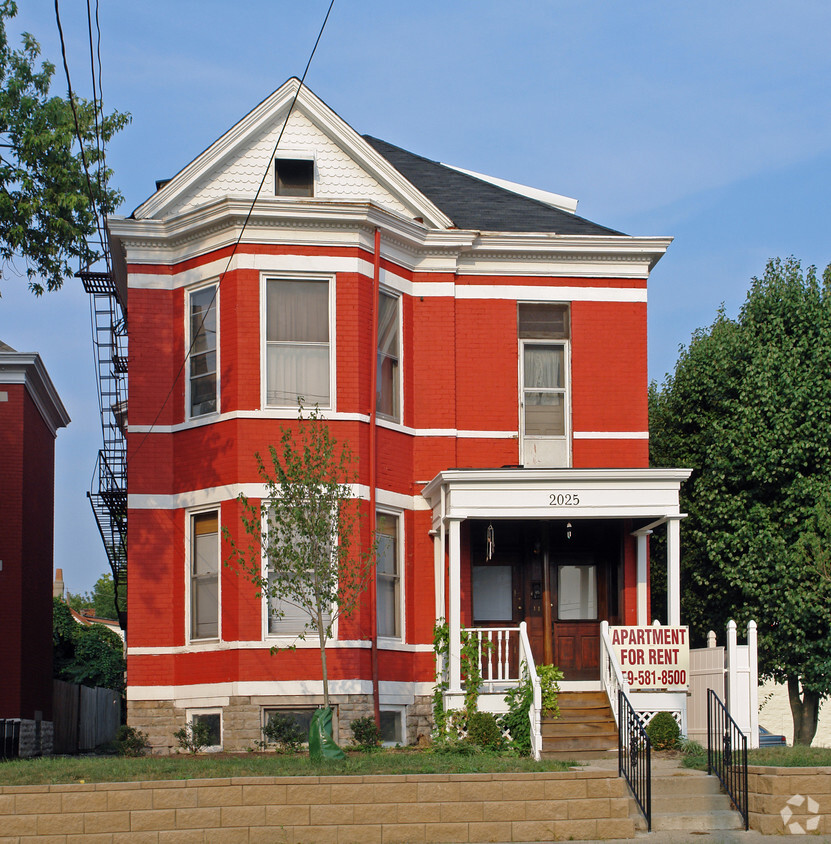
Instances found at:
x=802 y=794
x=382 y=809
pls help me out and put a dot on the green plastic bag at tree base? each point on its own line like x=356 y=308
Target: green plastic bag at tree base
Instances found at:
x=321 y=743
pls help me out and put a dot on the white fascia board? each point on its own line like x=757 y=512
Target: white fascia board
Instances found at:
x=27 y=368
x=328 y=122
x=557 y=493
x=555 y=200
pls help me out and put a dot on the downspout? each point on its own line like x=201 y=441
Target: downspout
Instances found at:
x=373 y=470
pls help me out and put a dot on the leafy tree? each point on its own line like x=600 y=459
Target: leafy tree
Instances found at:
x=47 y=203
x=748 y=407
x=301 y=535
x=101 y=600
x=90 y=656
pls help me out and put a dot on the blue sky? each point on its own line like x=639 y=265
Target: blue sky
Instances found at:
x=709 y=122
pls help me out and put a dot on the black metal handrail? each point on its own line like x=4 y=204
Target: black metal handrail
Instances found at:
x=727 y=753
x=634 y=756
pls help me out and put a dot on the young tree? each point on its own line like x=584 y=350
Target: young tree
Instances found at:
x=748 y=407
x=302 y=547
x=101 y=600
x=47 y=204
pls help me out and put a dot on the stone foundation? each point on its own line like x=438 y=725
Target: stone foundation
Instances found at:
x=242 y=718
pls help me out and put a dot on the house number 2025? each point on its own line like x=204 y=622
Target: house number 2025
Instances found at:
x=563 y=499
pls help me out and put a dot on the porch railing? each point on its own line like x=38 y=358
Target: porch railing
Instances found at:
x=610 y=673
x=495 y=645
x=504 y=655
x=727 y=753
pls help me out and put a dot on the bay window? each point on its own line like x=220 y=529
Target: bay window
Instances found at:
x=388 y=574
x=202 y=345
x=204 y=575
x=388 y=401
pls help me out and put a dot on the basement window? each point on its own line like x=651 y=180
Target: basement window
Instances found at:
x=294 y=177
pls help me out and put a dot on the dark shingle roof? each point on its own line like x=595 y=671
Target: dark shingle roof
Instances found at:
x=481 y=206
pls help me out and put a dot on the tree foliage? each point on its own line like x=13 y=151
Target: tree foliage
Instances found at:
x=46 y=202
x=748 y=407
x=90 y=656
x=302 y=549
x=101 y=600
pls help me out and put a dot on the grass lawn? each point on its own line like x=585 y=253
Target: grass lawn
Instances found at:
x=68 y=769
x=783 y=757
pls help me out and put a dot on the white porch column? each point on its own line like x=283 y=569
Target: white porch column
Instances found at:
x=674 y=572
x=438 y=571
x=454 y=608
x=642 y=583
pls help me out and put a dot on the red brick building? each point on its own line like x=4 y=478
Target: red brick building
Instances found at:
x=30 y=415
x=505 y=446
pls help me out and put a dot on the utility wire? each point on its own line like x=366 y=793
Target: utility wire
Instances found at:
x=78 y=132
x=238 y=240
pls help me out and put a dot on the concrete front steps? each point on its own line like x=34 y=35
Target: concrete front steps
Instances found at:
x=585 y=729
x=684 y=800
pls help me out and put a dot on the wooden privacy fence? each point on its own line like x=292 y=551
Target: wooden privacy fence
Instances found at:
x=84 y=717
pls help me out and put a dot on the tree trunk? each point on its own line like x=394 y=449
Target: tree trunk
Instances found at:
x=321 y=633
x=805 y=711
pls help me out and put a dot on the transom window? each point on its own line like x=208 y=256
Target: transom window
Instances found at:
x=203 y=346
x=298 y=365
x=388 y=402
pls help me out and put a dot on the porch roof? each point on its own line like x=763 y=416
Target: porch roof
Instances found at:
x=517 y=493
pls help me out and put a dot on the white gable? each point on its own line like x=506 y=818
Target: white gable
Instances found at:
x=346 y=167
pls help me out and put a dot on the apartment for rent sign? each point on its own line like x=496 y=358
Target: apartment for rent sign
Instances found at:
x=653 y=658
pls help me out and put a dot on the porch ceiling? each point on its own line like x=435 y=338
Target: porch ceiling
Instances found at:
x=555 y=493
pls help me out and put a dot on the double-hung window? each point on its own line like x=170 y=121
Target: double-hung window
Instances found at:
x=388 y=574
x=202 y=345
x=388 y=399
x=204 y=575
x=544 y=387
x=298 y=350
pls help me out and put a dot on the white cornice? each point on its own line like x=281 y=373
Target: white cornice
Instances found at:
x=27 y=368
x=268 y=111
x=337 y=224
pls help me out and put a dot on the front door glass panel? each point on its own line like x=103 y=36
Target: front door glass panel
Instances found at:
x=576 y=593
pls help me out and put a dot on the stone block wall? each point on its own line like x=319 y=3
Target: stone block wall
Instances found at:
x=242 y=718
x=367 y=810
x=36 y=738
x=789 y=801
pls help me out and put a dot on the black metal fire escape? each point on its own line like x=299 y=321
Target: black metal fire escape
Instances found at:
x=108 y=491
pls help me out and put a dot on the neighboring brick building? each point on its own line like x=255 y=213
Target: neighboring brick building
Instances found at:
x=30 y=414
x=511 y=333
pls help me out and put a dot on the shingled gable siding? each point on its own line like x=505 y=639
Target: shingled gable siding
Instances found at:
x=435 y=807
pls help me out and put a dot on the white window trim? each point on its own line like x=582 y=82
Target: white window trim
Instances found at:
x=276 y=275
x=189 y=514
x=283 y=640
x=402 y=709
x=567 y=436
x=395 y=294
x=214 y=710
x=188 y=340
x=391 y=641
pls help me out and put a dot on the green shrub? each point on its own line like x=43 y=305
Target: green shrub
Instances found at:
x=550 y=677
x=283 y=731
x=663 y=731
x=130 y=742
x=365 y=733
x=483 y=730
x=194 y=737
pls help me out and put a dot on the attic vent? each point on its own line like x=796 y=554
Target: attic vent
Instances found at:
x=294 y=177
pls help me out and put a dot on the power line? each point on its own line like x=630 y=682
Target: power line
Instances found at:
x=238 y=240
x=78 y=133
